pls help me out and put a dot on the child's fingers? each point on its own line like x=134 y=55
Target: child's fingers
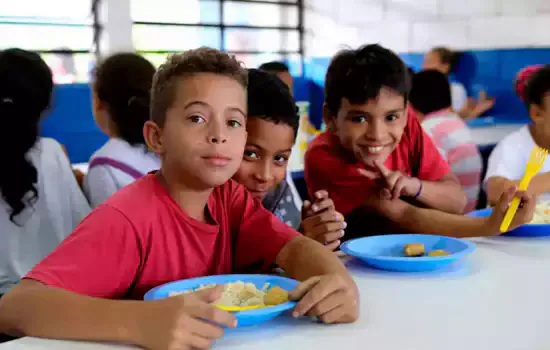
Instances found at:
x=385 y=172
x=303 y=288
x=321 y=194
x=324 y=204
x=398 y=187
x=369 y=174
x=306 y=205
x=385 y=193
x=324 y=217
x=333 y=245
x=506 y=198
x=332 y=236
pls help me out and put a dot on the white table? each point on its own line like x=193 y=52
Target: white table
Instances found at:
x=499 y=299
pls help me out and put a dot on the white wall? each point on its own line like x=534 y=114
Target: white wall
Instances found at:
x=418 y=25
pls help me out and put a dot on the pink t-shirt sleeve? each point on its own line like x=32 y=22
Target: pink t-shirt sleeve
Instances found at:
x=259 y=235
x=100 y=258
x=432 y=165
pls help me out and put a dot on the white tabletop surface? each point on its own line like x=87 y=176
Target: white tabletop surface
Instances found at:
x=498 y=299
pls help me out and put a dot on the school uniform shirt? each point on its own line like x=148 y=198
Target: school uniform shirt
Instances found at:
x=282 y=204
x=453 y=139
x=510 y=157
x=140 y=238
x=459 y=96
x=328 y=166
x=104 y=179
x=40 y=228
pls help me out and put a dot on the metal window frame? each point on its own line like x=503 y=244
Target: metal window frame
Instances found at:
x=222 y=26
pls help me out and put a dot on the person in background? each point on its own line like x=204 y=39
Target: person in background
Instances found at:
x=431 y=98
x=444 y=60
x=272 y=125
x=40 y=201
x=187 y=220
x=121 y=93
x=380 y=168
x=509 y=158
x=280 y=69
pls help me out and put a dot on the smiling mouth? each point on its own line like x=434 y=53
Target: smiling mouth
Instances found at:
x=374 y=149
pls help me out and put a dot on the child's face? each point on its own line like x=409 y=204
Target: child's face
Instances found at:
x=371 y=130
x=203 y=138
x=266 y=156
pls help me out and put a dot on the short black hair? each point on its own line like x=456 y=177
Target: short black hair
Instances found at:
x=274 y=67
x=538 y=86
x=430 y=92
x=270 y=99
x=188 y=63
x=359 y=75
x=123 y=82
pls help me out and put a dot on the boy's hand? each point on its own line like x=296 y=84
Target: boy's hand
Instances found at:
x=395 y=182
x=523 y=215
x=326 y=227
x=332 y=298
x=321 y=222
x=321 y=202
x=185 y=322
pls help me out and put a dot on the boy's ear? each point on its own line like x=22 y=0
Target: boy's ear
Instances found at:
x=152 y=133
x=328 y=119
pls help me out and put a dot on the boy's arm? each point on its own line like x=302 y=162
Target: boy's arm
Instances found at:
x=432 y=221
x=497 y=185
x=34 y=309
x=445 y=194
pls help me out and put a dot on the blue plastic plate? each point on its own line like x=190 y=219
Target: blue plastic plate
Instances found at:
x=244 y=318
x=387 y=252
x=528 y=230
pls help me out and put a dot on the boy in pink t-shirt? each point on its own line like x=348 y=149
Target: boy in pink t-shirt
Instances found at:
x=187 y=220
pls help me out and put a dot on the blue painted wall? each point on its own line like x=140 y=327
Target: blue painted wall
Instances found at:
x=71 y=121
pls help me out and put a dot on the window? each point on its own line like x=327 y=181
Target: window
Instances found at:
x=62 y=31
x=255 y=31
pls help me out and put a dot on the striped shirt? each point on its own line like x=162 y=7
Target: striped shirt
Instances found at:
x=454 y=141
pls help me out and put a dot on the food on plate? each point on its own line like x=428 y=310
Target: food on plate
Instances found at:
x=245 y=294
x=414 y=249
x=438 y=252
x=542 y=213
x=275 y=296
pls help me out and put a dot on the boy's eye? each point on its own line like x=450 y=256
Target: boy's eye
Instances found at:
x=392 y=117
x=234 y=123
x=197 y=119
x=358 y=119
x=280 y=160
x=250 y=154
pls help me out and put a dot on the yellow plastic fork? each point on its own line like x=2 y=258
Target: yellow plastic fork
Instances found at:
x=536 y=160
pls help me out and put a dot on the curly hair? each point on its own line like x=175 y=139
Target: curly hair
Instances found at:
x=26 y=86
x=538 y=86
x=201 y=60
x=123 y=82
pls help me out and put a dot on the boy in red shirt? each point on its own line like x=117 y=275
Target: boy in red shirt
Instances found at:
x=187 y=220
x=377 y=164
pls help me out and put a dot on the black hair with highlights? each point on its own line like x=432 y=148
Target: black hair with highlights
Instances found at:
x=538 y=86
x=274 y=67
